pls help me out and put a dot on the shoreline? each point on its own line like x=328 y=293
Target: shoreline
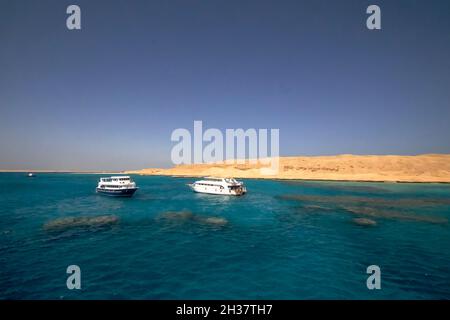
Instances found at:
x=296 y=179
x=61 y=171
x=426 y=168
x=247 y=178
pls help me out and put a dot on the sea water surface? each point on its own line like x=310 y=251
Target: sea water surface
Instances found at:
x=283 y=240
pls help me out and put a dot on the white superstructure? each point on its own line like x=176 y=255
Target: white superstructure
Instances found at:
x=117 y=186
x=224 y=186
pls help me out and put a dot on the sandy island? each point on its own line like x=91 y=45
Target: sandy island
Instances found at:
x=386 y=168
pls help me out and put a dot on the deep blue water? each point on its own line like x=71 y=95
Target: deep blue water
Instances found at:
x=283 y=240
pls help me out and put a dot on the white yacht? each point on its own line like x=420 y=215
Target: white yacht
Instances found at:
x=225 y=186
x=119 y=186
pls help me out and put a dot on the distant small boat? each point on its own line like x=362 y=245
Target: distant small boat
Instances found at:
x=223 y=186
x=31 y=175
x=117 y=186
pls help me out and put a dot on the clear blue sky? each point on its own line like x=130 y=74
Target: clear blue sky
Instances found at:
x=108 y=97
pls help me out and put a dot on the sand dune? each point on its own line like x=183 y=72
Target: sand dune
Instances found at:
x=389 y=168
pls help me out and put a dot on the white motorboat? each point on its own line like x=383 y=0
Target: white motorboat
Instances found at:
x=223 y=186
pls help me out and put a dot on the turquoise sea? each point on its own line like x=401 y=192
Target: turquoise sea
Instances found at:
x=283 y=240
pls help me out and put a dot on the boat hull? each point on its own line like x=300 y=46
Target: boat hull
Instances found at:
x=117 y=193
